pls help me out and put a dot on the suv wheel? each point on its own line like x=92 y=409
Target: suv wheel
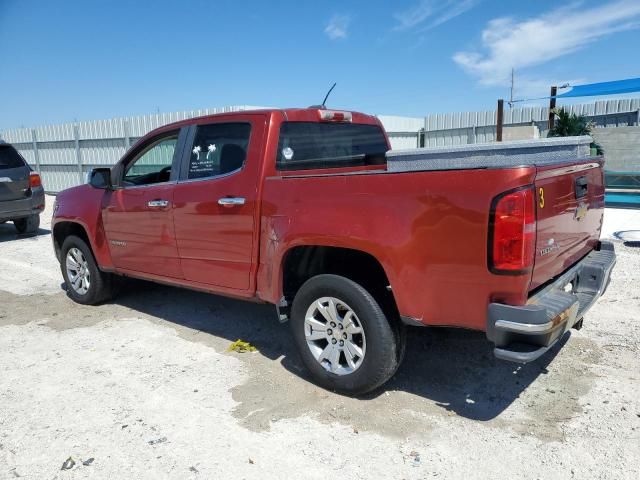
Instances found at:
x=343 y=336
x=29 y=224
x=85 y=283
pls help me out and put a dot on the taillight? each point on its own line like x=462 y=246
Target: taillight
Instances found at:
x=334 y=116
x=512 y=232
x=34 y=180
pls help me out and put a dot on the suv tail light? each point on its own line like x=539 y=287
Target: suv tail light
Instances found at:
x=35 y=180
x=512 y=232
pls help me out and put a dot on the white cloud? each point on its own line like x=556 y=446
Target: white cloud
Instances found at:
x=508 y=43
x=338 y=27
x=415 y=15
x=431 y=12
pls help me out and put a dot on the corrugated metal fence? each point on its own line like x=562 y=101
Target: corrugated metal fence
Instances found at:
x=64 y=153
x=479 y=127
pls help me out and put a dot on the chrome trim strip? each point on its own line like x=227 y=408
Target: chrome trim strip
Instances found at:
x=525 y=327
x=564 y=170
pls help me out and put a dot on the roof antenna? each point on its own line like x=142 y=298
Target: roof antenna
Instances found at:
x=327 y=95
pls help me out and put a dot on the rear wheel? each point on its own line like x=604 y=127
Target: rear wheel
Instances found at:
x=343 y=336
x=85 y=283
x=29 y=224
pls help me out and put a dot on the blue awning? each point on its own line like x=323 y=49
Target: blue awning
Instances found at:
x=604 y=88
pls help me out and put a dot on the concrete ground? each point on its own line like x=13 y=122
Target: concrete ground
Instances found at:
x=143 y=387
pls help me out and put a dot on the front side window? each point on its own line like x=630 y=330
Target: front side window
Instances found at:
x=218 y=149
x=307 y=145
x=153 y=164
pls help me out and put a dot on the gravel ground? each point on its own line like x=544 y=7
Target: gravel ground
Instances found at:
x=143 y=387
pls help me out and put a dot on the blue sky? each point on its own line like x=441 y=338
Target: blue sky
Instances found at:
x=64 y=60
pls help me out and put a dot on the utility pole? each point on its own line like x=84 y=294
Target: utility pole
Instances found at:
x=552 y=105
x=511 y=95
x=499 y=120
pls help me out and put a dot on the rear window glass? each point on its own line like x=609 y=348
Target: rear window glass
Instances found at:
x=9 y=158
x=306 y=145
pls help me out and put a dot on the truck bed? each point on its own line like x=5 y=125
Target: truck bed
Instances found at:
x=569 y=216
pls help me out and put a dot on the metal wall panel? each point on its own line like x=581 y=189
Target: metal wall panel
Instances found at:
x=16 y=135
x=400 y=141
x=54 y=133
x=56 y=178
x=102 y=152
x=401 y=124
x=57 y=153
x=101 y=129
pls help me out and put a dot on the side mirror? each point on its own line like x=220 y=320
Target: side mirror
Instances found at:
x=100 y=178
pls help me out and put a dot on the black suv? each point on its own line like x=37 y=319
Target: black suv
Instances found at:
x=21 y=191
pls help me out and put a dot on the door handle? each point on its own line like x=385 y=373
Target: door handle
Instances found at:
x=158 y=203
x=231 y=201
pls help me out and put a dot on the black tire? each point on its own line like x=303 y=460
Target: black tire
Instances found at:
x=384 y=341
x=101 y=284
x=30 y=224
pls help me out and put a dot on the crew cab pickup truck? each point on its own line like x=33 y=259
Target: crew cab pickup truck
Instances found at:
x=305 y=209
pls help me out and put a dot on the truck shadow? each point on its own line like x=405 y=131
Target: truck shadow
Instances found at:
x=457 y=370
x=453 y=368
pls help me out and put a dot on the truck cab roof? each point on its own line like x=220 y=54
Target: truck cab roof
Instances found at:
x=307 y=114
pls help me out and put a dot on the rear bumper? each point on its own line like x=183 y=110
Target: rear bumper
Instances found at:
x=13 y=209
x=523 y=333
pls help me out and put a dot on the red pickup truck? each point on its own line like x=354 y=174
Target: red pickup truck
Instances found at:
x=298 y=208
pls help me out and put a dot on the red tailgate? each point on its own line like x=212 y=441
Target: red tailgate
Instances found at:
x=570 y=206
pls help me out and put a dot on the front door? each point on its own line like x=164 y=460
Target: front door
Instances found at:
x=215 y=201
x=138 y=216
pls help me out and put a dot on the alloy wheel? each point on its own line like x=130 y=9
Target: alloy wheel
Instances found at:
x=335 y=335
x=78 y=271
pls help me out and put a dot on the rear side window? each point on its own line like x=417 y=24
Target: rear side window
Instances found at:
x=218 y=149
x=9 y=158
x=306 y=145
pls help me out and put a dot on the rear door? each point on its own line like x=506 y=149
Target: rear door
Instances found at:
x=216 y=201
x=14 y=175
x=570 y=207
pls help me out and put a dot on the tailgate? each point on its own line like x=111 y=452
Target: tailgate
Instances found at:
x=569 y=210
x=14 y=175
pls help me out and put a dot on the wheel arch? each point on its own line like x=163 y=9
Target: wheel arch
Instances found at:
x=64 y=228
x=302 y=262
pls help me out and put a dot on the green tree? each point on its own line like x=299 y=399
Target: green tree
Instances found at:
x=571 y=125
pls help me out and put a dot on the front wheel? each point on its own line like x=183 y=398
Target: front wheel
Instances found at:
x=85 y=283
x=343 y=336
x=29 y=224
